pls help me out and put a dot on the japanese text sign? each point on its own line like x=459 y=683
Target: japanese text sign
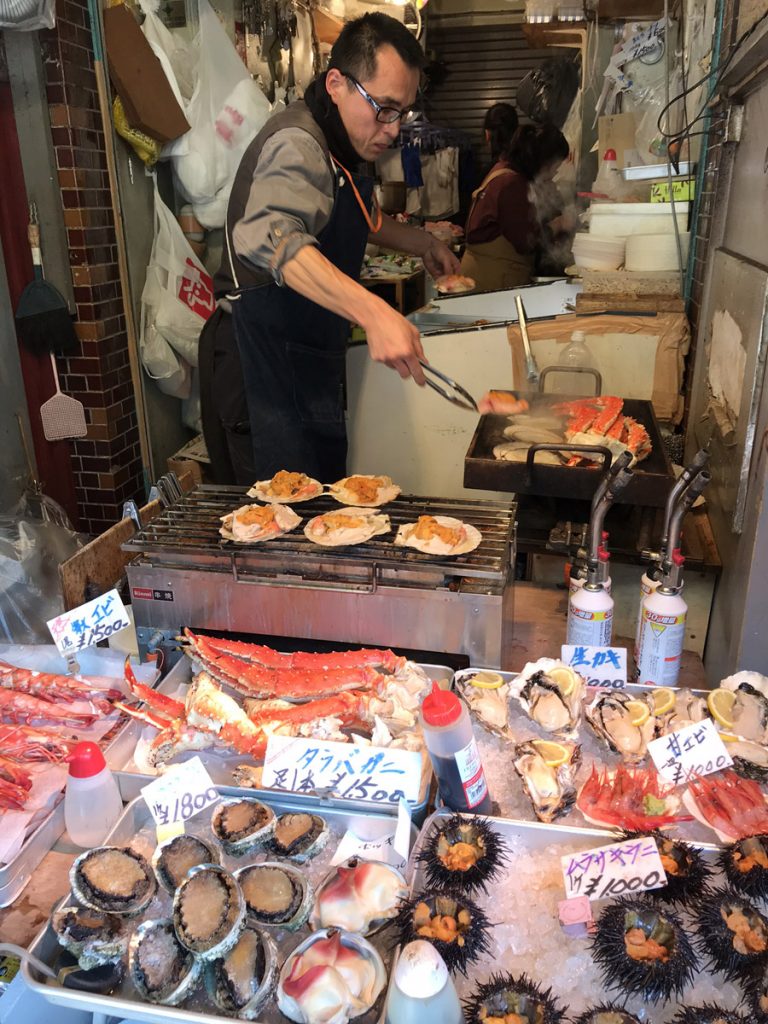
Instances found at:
x=391 y=847
x=600 y=666
x=196 y=290
x=695 y=750
x=87 y=625
x=343 y=770
x=184 y=790
x=615 y=870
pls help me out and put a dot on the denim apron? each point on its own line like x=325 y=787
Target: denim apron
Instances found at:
x=293 y=355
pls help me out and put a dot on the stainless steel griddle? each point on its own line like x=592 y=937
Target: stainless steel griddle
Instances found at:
x=185 y=574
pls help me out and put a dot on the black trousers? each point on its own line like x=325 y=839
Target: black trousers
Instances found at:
x=224 y=409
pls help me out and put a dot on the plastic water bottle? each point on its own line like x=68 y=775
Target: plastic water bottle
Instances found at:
x=422 y=991
x=453 y=751
x=575 y=354
x=92 y=801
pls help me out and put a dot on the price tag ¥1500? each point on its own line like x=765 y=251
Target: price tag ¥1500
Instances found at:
x=90 y=623
x=185 y=790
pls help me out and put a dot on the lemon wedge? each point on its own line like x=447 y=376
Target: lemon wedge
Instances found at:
x=564 y=678
x=720 y=703
x=639 y=712
x=729 y=737
x=487 y=680
x=553 y=754
x=663 y=699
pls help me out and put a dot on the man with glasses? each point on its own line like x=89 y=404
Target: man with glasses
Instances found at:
x=298 y=221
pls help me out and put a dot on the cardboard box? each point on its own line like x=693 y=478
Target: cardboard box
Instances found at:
x=192 y=459
x=617 y=132
x=139 y=79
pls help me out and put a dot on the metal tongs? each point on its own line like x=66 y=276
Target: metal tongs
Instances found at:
x=531 y=368
x=457 y=395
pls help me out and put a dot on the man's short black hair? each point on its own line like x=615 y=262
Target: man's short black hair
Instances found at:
x=356 y=49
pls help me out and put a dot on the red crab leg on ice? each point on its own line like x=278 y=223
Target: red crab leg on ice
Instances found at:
x=27 y=744
x=25 y=709
x=52 y=687
x=289 y=684
x=210 y=646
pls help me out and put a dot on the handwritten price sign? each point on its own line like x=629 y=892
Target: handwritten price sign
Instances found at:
x=600 y=666
x=695 y=750
x=343 y=770
x=616 y=870
x=87 y=625
x=185 y=790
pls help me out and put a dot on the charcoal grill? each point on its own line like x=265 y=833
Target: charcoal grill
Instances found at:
x=184 y=574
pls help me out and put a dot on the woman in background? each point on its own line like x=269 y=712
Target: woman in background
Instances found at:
x=502 y=231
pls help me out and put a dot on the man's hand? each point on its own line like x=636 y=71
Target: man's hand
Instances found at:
x=395 y=341
x=439 y=260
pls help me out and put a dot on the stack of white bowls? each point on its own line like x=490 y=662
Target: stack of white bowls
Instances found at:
x=656 y=252
x=598 y=252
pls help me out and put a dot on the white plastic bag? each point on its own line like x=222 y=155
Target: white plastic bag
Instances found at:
x=27 y=15
x=176 y=301
x=225 y=112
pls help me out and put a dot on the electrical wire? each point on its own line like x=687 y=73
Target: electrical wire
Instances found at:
x=670 y=184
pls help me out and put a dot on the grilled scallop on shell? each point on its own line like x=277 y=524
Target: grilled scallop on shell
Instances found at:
x=93 y=938
x=113 y=880
x=173 y=860
x=242 y=981
x=161 y=969
x=242 y=825
x=276 y=894
x=208 y=911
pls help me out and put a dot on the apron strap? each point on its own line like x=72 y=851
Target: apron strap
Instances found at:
x=490 y=176
x=372 y=227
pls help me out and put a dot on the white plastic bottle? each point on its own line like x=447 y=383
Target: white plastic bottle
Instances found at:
x=590 y=616
x=453 y=751
x=92 y=801
x=609 y=181
x=647 y=586
x=576 y=354
x=662 y=636
x=422 y=991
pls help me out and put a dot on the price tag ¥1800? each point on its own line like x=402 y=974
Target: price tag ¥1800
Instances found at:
x=87 y=625
x=185 y=790
x=615 y=870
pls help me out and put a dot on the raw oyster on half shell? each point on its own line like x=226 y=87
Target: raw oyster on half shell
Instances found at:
x=208 y=911
x=551 y=788
x=172 y=860
x=550 y=692
x=113 y=880
x=487 y=696
x=298 y=836
x=242 y=981
x=331 y=976
x=359 y=896
x=275 y=894
x=161 y=969
x=91 y=937
x=612 y=717
x=242 y=825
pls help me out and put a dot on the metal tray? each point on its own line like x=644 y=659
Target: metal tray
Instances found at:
x=650 y=485
x=534 y=838
x=506 y=788
x=15 y=875
x=435 y=322
x=131 y=779
x=136 y=823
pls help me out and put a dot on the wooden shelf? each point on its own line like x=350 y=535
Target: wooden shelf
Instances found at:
x=540 y=35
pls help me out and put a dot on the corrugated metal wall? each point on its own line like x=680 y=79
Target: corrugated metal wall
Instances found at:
x=483 y=65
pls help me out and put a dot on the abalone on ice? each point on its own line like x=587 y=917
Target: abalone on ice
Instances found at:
x=298 y=836
x=161 y=969
x=242 y=981
x=173 y=859
x=276 y=894
x=92 y=937
x=208 y=911
x=242 y=825
x=113 y=880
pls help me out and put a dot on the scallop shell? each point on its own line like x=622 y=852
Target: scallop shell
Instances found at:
x=208 y=911
x=290 y=1008
x=297 y=910
x=359 y=895
x=113 y=880
x=298 y=836
x=152 y=946
x=94 y=939
x=242 y=824
x=174 y=858
x=230 y=980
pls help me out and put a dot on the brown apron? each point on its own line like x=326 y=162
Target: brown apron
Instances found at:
x=497 y=264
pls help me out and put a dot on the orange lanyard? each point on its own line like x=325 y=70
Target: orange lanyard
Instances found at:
x=378 y=214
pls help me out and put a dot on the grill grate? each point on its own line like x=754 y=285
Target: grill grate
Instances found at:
x=187 y=533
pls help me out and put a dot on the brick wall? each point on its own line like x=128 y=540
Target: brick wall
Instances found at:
x=107 y=463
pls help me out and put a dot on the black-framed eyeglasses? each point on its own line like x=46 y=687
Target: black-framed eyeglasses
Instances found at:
x=387 y=115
